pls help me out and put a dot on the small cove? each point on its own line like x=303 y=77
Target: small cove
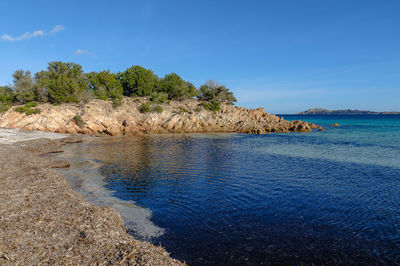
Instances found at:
x=320 y=197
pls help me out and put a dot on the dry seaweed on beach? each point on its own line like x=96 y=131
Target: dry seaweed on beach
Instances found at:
x=43 y=221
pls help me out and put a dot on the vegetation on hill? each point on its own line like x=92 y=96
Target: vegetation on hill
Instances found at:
x=68 y=83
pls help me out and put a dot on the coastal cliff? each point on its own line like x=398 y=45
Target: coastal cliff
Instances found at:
x=98 y=117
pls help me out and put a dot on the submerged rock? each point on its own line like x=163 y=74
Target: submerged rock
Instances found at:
x=100 y=118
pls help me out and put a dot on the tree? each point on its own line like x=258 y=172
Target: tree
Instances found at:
x=6 y=94
x=138 y=81
x=23 y=86
x=176 y=87
x=65 y=82
x=105 y=85
x=213 y=91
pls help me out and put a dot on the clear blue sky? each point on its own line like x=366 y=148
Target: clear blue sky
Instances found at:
x=286 y=56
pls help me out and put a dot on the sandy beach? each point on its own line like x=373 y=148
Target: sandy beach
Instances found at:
x=43 y=221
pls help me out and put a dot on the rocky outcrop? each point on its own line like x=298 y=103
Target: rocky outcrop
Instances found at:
x=99 y=117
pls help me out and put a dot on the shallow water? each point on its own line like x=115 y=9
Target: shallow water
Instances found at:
x=321 y=197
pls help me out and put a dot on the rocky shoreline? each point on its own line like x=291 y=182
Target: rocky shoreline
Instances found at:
x=98 y=117
x=43 y=221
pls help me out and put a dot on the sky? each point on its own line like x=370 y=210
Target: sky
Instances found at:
x=284 y=55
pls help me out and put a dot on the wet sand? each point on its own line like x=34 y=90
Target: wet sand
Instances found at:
x=43 y=221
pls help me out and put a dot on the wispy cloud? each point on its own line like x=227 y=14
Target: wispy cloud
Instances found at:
x=81 y=52
x=31 y=35
x=57 y=28
x=84 y=52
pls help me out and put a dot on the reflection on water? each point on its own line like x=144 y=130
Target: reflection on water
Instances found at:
x=222 y=201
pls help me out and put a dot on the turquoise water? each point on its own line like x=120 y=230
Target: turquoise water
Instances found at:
x=328 y=197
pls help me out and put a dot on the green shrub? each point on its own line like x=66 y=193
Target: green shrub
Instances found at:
x=176 y=88
x=145 y=108
x=116 y=102
x=212 y=91
x=23 y=86
x=78 y=121
x=6 y=95
x=4 y=107
x=28 y=110
x=159 y=97
x=31 y=104
x=183 y=110
x=157 y=109
x=213 y=106
x=105 y=85
x=138 y=81
x=65 y=82
x=198 y=109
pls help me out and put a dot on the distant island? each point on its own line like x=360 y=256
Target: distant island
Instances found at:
x=321 y=111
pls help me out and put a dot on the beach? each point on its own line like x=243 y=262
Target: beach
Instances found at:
x=43 y=221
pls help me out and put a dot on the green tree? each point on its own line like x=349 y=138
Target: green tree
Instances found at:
x=65 y=82
x=24 y=86
x=105 y=85
x=138 y=81
x=6 y=94
x=176 y=87
x=212 y=91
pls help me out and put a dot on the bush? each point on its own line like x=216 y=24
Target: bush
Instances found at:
x=183 y=110
x=28 y=109
x=78 y=121
x=212 y=91
x=198 y=109
x=144 y=108
x=159 y=97
x=213 y=105
x=116 y=102
x=105 y=85
x=4 y=107
x=23 y=86
x=31 y=104
x=157 y=109
x=176 y=88
x=65 y=82
x=6 y=95
x=138 y=81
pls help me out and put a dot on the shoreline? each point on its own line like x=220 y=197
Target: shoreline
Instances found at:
x=43 y=220
x=84 y=177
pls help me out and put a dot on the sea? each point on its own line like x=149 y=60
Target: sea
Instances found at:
x=327 y=197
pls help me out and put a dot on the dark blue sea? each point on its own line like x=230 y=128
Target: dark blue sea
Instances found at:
x=330 y=197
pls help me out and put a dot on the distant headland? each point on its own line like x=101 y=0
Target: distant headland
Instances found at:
x=321 y=111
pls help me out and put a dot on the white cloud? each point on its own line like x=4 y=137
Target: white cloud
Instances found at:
x=31 y=35
x=81 y=52
x=25 y=36
x=84 y=52
x=57 y=28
